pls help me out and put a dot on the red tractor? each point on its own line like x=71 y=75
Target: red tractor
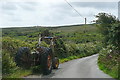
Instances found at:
x=44 y=56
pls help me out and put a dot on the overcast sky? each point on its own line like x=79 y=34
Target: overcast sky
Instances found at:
x=52 y=12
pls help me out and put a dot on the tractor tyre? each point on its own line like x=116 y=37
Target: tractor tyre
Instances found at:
x=55 y=63
x=46 y=62
x=22 y=57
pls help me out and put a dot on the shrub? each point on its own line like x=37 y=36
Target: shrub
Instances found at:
x=114 y=33
x=9 y=49
x=85 y=49
x=72 y=49
x=60 y=49
x=12 y=45
x=8 y=64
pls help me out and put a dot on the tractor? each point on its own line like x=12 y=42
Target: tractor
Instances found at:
x=44 y=56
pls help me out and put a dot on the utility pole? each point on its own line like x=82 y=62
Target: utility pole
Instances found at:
x=85 y=20
x=119 y=10
x=85 y=32
x=85 y=24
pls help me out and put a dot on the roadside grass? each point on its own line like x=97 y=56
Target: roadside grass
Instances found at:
x=112 y=72
x=21 y=73
x=108 y=62
x=13 y=79
x=73 y=57
x=18 y=74
x=68 y=59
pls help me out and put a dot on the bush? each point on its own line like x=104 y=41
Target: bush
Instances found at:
x=85 y=49
x=12 y=45
x=114 y=33
x=72 y=49
x=8 y=64
x=9 y=49
x=60 y=49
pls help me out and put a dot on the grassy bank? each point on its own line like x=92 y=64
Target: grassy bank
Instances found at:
x=112 y=72
x=108 y=62
x=109 y=58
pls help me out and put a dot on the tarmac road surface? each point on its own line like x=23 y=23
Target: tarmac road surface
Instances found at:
x=79 y=68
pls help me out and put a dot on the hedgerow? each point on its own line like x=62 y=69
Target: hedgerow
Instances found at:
x=109 y=56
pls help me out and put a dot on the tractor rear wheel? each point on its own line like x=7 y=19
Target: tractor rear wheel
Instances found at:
x=22 y=57
x=46 y=63
x=55 y=63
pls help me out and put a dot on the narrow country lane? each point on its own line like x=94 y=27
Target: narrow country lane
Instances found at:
x=78 y=68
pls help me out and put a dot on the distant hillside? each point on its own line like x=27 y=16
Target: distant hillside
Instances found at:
x=24 y=31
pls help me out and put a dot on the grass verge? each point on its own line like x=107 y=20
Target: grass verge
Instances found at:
x=18 y=74
x=113 y=72
x=73 y=57
x=68 y=59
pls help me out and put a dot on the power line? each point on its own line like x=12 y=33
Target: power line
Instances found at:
x=85 y=19
x=74 y=9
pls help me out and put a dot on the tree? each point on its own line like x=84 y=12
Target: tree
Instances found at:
x=104 y=18
x=108 y=27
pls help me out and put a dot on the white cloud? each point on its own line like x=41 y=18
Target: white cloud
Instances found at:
x=48 y=13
